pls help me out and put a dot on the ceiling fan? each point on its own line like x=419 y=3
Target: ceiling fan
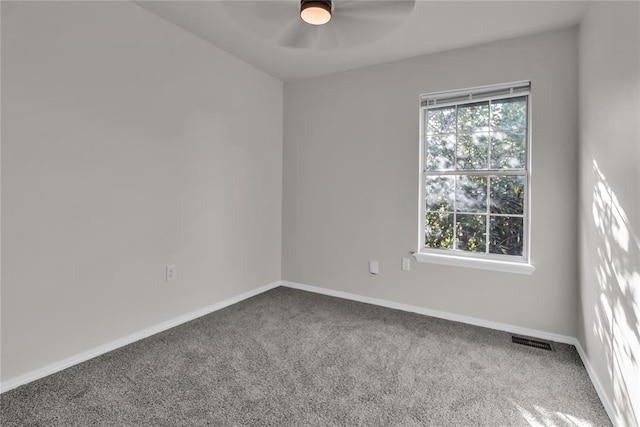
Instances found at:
x=320 y=24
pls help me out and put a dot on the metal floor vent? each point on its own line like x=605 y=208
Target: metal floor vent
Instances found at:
x=532 y=343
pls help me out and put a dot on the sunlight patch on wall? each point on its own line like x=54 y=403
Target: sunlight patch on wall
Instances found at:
x=617 y=310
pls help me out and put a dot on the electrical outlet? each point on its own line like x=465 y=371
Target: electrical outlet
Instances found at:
x=172 y=272
x=373 y=267
x=406 y=264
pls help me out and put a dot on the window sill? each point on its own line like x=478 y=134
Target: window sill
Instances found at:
x=481 y=264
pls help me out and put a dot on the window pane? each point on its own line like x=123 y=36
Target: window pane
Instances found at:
x=438 y=230
x=440 y=152
x=506 y=235
x=509 y=114
x=472 y=150
x=508 y=150
x=471 y=194
x=507 y=194
x=471 y=233
x=439 y=193
x=473 y=117
x=441 y=120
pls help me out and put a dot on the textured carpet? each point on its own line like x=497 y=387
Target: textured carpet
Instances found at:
x=293 y=358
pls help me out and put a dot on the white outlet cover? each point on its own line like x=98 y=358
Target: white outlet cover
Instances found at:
x=373 y=267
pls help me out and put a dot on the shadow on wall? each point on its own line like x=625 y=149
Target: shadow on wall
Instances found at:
x=617 y=308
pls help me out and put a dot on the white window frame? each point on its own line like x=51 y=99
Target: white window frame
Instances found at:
x=484 y=261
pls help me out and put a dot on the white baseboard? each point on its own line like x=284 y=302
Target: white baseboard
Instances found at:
x=471 y=321
x=435 y=313
x=136 y=336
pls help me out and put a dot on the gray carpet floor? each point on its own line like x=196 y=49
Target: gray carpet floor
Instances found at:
x=293 y=358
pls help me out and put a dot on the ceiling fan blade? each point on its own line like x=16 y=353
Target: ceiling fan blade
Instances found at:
x=263 y=17
x=374 y=8
x=296 y=34
x=352 y=31
x=327 y=37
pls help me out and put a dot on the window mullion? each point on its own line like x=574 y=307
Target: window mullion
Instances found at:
x=487 y=215
x=490 y=136
x=455 y=188
x=491 y=172
x=488 y=209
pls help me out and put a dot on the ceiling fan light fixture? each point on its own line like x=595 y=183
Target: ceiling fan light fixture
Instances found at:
x=315 y=12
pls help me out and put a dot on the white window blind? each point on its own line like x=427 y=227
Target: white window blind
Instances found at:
x=474 y=94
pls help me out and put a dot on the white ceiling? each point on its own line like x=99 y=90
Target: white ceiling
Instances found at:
x=431 y=26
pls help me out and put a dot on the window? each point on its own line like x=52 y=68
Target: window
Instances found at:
x=475 y=177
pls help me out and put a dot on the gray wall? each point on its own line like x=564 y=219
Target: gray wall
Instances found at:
x=127 y=144
x=351 y=182
x=609 y=330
